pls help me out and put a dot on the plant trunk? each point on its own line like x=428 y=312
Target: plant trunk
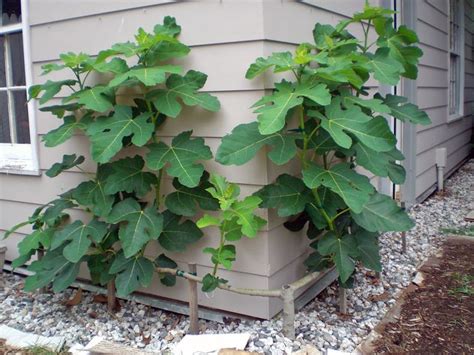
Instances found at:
x=193 y=303
x=288 y=297
x=111 y=299
x=40 y=255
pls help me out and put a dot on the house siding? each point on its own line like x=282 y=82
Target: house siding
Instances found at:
x=432 y=83
x=225 y=39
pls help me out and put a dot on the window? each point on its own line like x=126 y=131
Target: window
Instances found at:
x=17 y=139
x=456 y=59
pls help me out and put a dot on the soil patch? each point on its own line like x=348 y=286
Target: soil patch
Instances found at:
x=436 y=317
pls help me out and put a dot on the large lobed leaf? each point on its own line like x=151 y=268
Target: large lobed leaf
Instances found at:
x=127 y=175
x=66 y=130
x=405 y=111
x=184 y=200
x=273 y=109
x=381 y=214
x=131 y=273
x=106 y=133
x=281 y=61
x=353 y=188
x=373 y=132
x=288 y=194
x=91 y=193
x=137 y=226
x=185 y=88
x=177 y=236
x=69 y=162
x=79 y=237
x=245 y=141
x=52 y=268
x=182 y=156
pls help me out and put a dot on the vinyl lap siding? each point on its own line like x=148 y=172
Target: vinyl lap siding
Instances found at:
x=432 y=83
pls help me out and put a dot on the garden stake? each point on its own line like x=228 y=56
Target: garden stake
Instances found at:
x=111 y=299
x=288 y=297
x=342 y=300
x=3 y=250
x=39 y=255
x=404 y=242
x=193 y=302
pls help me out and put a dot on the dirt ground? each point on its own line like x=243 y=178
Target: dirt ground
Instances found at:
x=436 y=317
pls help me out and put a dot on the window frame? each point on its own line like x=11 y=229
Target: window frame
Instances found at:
x=461 y=55
x=13 y=154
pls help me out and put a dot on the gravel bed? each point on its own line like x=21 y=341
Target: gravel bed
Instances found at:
x=318 y=323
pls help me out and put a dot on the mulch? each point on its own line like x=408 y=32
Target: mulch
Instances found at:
x=436 y=317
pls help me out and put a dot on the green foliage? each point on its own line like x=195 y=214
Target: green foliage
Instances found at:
x=245 y=141
x=122 y=197
x=69 y=162
x=326 y=118
x=235 y=219
x=181 y=156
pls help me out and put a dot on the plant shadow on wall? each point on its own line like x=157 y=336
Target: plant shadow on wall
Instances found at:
x=324 y=117
x=124 y=197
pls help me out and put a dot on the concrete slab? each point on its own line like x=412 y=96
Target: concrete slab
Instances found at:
x=18 y=339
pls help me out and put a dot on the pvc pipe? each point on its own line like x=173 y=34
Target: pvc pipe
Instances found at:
x=440 y=170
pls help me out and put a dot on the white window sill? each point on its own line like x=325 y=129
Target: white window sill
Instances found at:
x=18 y=159
x=7 y=170
x=455 y=117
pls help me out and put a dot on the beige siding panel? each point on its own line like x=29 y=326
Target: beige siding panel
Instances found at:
x=41 y=189
x=279 y=28
x=224 y=22
x=212 y=60
x=427 y=159
x=433 y=57
x=432 y=16
x=432 y=97
x=440 y=5
x=284 y=246
x=340 y=8
x=442 y=133
x=47 y=11
x=432 y=37
x=432 y=77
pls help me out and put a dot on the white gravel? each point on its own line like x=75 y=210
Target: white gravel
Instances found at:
x=318 y=323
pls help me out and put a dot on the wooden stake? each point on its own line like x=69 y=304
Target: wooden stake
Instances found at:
x=111 y=298
x=40 y=255
x=404 y=242
x=193 y=303
x=288 y=297
x=3 y=250
x=342 y=300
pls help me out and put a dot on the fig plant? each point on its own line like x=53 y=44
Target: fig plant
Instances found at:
x=326 y=117
x=138 y=90
x=236 y=219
